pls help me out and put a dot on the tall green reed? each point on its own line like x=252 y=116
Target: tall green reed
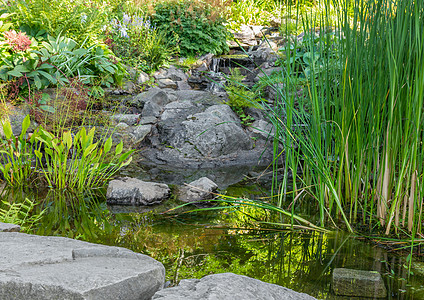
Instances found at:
x=358 y=147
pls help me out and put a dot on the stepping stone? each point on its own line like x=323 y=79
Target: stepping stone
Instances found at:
x=358 y=283
x=46 y=268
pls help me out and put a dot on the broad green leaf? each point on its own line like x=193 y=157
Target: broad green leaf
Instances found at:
x=89 y=149
x=38 y=154
x=37 y=82
x=67 y=138
x=127 y=162
x=119 y=148
x=25 y=125
x=14 y=73
x=7 y=129
x=124 y=156
x=47 y=108
x=108 y=145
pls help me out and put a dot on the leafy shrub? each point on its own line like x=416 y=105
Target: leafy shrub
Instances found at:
x=196 y=27
x=77 y=19
x=135 y=41
x=28 y=63
x=252 y=12
x=317 y=53
x=239 y=97
x=75 y=162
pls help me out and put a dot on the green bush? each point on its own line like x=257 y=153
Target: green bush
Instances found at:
x=134 y=40
x=74 y=18
x=193 y=26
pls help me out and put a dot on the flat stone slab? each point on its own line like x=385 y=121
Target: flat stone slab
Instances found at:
x=6 y=227
x=133 y=191
x=43 y=268
x=358 y=283
x=228 y=286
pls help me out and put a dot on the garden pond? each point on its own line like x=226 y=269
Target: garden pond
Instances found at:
x=195 y=244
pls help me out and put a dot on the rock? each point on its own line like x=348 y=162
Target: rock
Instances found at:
x=358 y=283
x=183 y=85
x=6 y=227
x=127 y=88
x=246 y=36
x=142 y=78
x=211 y=133
x=148 y=120
x=257 y=30
x=132 y=191
x=228 y=286
x=129 y=119
x=176 y=74
x=166 y=83
x=262 y=129
x=140 y=132
x=154 y=95
x=46 y=268
x=122 y=126
x=175 y=109
x=198 y=190
x=151 y=109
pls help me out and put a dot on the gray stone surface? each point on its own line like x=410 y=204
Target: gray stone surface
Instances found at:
x=211 y=133
x=262 y=129
x=358 y=283
x=166 y=83
x=129 y=119
x=245 y=35
x=198 y=190
x=154 y=95
x=228 y=286
x=175 y=109
x=140 y=132
x=132 y=191
x=142 y=78
x=6 y=227
x=47 y=268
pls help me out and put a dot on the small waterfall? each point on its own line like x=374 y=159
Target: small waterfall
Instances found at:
x=214 y=66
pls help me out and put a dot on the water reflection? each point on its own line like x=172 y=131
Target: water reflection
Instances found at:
x=197 y=244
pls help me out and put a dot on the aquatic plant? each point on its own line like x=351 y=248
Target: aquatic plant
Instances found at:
x=66 y=161
x=358 y=149
x=75 y=162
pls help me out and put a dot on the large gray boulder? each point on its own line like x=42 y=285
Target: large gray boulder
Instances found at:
x=154 y=96
x=47 y=268
x=132 y=191
x=358 y=283
x=228 y=286
x=209 y=134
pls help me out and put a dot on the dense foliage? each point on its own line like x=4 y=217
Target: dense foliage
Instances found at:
x=194 y=26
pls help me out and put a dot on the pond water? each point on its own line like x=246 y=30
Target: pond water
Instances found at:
x=195 y=244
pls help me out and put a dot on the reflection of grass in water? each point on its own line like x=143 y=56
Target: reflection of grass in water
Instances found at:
x=296 y=260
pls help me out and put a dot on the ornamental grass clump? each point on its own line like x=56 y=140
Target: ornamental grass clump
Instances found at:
x=358 y=149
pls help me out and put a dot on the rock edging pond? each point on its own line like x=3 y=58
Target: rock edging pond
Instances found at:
x=45 y=267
